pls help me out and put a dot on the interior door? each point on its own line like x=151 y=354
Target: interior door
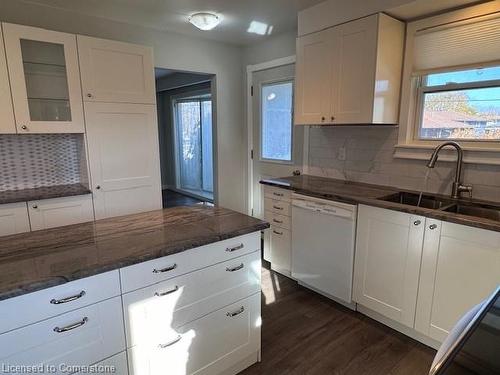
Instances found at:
x=277 y=144
x=124 y=158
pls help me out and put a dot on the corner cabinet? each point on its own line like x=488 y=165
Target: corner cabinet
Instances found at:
x=351 y=73
x=44 y=79
x=7 y=122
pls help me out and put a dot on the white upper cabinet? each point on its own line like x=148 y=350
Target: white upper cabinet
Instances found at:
x=116 y=72
x=313 y=88
x=123 y=157
x=351 y=73
x=460 y=268
x=7 y=123
x=45 y=80
x=387 y=264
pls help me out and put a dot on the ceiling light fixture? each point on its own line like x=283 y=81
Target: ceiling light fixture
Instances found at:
x=204 y=20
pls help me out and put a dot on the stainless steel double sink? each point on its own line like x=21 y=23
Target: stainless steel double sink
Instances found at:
x=471 y=209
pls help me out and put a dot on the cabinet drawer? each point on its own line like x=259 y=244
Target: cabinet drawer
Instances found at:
x=57 y=212
x=34 y=307
x=208 y=345
x=277 y=220
x=77 y=338
x=151 y=272
x=150 y=313
x=276 y=206
x=277 y=193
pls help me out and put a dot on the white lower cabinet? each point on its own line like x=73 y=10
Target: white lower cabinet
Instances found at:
x=77 y=338
x=209 y=345
x=422 y=273
x=14 y=219
x=460 y=268
x=51 y=213
x=387 y=262
x=281 y=250
x=151 y=313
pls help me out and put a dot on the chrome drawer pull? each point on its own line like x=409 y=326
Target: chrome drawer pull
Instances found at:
x=166 y=269
x=278 y=207
x=71 y=326
x=67 y=299
x=278 y=233
x=278 y=221
x=234 y=313
x=174 y=341
x=175 y=289
x=239 y=247
x=235 y=268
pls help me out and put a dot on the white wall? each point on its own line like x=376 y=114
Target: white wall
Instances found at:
x=172 y=51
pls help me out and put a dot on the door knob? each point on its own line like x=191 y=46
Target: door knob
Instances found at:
x=35 y=206
x=24 y=127
x=323 y=118
x=417 y=222
x=432 y=226
x=332 y=118
x=89 y=95
x=98 y=187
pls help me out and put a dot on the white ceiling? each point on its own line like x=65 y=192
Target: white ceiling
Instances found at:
x=278 y=16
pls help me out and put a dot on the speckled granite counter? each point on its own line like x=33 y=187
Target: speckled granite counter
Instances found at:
x=360 y=193
x=41 y=259
x=46 y=192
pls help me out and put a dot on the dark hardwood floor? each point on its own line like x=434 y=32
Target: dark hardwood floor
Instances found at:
x=305 y=333
x=173 y=199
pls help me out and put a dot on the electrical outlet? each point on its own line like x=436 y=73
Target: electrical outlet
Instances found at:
x=341 y=153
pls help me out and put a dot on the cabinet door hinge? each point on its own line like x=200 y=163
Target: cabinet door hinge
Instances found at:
x=251 y=90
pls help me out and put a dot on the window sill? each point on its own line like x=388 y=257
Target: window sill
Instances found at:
x=472 y=154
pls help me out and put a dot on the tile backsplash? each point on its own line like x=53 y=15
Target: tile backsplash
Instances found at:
x=369 y=158
x=35 y=160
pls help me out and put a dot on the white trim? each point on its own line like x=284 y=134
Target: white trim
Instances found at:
x=249 y=77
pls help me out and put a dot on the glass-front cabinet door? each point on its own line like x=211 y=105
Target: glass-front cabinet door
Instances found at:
x=45 y=80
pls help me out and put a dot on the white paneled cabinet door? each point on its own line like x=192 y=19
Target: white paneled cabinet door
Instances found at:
x=14 y=219
x=460 y=268
x=313 y=78
x=57 y=212
x=45 y=80
x=281 y=250
x=124 y=158
x=115 y=71
x=387 y=264
x=354 y=72
x=7 y=123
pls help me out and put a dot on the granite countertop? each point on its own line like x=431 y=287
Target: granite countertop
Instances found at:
x=41 y=259
x=361 y=193
x=45 y=192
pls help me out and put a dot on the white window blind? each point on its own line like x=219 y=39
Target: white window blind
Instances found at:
x=467 y=42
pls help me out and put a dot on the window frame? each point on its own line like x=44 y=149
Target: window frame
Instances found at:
x=261 y=122
x=407 y=147
x=422 y=89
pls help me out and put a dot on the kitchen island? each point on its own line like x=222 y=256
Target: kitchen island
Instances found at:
x=144 y=293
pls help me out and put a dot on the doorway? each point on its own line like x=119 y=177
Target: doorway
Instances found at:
x=186 y=121
x=276 y=144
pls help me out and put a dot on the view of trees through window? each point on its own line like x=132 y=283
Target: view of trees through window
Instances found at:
x=462 y=105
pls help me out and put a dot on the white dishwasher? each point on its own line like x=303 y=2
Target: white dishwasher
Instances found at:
x=323 y=236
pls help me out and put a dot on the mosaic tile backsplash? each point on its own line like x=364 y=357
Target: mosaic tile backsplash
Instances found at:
x=36 y=160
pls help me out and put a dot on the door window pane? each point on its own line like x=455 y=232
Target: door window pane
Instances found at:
x=46 y=80
x=276 y=122
x=206 y=149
